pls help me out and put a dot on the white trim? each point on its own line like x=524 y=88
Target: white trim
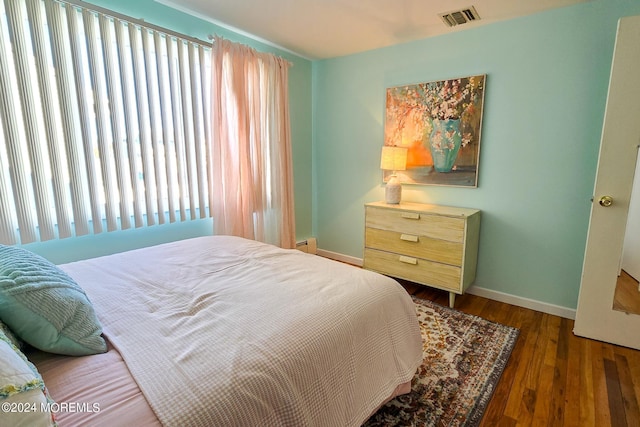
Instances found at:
x=178 y=7
x=544 y=307
x=340 y=257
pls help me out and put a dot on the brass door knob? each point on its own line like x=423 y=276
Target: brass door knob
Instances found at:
x=606 y=201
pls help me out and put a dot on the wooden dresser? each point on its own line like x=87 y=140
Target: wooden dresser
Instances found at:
x=432 y=245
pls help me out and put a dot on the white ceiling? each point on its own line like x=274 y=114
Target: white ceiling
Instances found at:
x=318 y=29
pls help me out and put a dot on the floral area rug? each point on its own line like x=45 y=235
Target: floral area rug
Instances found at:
x=464 y=356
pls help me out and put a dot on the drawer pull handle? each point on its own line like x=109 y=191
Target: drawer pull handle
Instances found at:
x=408 y=260
x=410 y=215
x=408 y=237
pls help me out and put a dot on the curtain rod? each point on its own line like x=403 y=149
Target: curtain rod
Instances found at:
x=141 y=22
x=289 y=63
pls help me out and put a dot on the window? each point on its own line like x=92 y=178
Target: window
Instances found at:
x=103 y=123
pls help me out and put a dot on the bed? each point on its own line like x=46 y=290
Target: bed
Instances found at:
x=221 y=330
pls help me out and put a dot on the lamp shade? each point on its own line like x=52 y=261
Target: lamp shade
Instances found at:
x=393 y=158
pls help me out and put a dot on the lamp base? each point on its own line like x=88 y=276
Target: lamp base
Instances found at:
x=393 y=191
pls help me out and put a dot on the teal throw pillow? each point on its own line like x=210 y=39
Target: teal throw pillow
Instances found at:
x=45 y=307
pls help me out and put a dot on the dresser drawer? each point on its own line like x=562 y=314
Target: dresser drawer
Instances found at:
x=428 y=244
x=422 y=271
x=414 y=245
x=438 y=227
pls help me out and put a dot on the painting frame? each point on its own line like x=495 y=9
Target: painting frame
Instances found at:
x=440 y=123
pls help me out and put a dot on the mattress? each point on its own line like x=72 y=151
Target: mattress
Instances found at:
x=97 y=390
x=220 y=330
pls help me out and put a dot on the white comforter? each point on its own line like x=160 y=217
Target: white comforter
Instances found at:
x=222 y=331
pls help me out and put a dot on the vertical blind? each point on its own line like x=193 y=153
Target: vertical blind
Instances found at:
x=103 y=123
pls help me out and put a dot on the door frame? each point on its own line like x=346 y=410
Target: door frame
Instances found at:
x=595 y=317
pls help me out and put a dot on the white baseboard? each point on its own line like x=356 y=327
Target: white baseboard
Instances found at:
x=340 y=257
x=531 y=304
x=543 y=307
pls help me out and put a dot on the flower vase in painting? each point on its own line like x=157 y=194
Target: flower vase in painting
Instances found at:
x=444 y=142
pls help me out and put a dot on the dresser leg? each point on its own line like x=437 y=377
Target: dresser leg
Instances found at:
x=452 y=299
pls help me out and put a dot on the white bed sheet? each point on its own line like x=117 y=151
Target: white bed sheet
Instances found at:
x=226 y=331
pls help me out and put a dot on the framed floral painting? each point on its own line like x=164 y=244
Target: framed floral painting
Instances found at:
x=439 y=123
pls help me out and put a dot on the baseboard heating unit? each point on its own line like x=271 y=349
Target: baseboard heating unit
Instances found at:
x=309 y=246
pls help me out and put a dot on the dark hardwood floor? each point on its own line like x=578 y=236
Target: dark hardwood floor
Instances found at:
x=554 y=377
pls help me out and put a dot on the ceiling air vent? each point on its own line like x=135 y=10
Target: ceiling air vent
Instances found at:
x=457 y=17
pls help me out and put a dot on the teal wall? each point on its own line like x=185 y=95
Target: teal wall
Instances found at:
x=300 y=75
x=547 y=81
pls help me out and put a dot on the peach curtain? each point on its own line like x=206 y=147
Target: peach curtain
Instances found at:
x=251 y=168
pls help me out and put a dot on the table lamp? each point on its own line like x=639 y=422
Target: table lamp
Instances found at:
x=393 y=159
